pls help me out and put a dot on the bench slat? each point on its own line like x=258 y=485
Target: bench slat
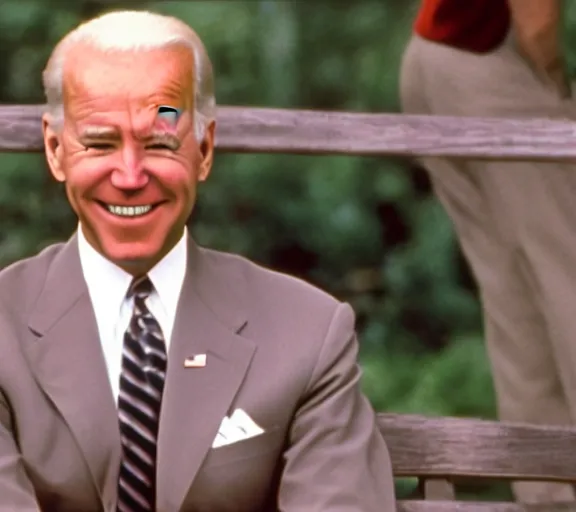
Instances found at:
x=469 y=506
x=438 y=489
x=262 y=130
x=445 y=447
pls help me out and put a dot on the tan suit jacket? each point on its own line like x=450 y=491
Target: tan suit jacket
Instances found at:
x=277 y=348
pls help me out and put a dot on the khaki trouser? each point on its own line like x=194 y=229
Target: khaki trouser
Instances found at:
x=516 y=223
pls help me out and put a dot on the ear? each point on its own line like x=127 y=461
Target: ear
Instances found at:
x=207 y=151
x=53 y=148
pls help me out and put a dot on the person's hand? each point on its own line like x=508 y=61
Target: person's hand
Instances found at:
x=537 y=25
x=560 y=79
x=544 y=56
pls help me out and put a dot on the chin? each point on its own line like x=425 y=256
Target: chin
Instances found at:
x=133 y=255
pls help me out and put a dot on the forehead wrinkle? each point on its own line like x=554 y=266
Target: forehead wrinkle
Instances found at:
x=102 y=90
x=99 y=75
x=134 y=122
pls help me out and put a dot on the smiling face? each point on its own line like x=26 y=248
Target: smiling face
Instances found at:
x=127 y=152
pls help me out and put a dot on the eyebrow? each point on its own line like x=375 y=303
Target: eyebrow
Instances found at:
x=99 y=133
x=107 y=133
x=163 y=137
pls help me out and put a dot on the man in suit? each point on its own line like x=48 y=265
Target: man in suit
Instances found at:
x=140 y=371
x=515 y=220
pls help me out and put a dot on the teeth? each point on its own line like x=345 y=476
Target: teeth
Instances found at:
x=129 y=211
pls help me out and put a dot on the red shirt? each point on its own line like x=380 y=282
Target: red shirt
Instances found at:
x=474 y=25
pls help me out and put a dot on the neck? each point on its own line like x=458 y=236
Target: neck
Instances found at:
x=136 y=267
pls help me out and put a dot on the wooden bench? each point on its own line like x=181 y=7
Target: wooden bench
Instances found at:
x=440 y=451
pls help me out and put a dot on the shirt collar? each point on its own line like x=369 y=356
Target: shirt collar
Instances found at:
x=105 y=279
x=168 y=274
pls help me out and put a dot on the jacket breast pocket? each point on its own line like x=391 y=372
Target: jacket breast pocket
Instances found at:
x=241 y=476
x=256 y=446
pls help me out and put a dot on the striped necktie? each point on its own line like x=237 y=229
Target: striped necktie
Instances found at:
x=141 y=385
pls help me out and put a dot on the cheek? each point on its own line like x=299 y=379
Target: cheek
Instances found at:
x=174 y=174
x=89 y=173
x=81 y=167
x=83 y=172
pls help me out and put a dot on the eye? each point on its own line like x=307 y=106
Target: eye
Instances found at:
x=159 y=146
x=164 y=146
x=99 y=146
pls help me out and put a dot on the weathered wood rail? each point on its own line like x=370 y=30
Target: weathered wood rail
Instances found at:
x=264 y=130
x=439 y=451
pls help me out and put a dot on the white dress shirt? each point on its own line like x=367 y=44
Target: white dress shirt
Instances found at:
x=108 y=284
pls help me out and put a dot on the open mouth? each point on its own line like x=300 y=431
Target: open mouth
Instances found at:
x=128 y=211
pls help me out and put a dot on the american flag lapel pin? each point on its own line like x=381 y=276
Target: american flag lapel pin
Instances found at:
x=195 y=361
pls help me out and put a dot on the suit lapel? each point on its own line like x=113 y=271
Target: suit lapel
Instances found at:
x=209 y=316
x=67 y=360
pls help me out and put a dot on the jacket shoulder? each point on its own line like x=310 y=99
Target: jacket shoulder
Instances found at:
x=22 y=281
x=271 y=289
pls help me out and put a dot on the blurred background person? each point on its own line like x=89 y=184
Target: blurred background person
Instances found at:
x=516 y=221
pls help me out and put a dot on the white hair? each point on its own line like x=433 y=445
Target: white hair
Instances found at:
x=133 y=31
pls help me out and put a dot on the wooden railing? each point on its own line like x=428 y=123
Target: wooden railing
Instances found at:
x=441 y=451
x=262 y=130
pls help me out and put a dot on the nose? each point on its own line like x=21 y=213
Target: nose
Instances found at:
x=130 y=174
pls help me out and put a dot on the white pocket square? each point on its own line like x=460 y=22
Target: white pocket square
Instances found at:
x=237 y=427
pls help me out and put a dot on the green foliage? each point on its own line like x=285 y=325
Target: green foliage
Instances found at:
x=454 y=382
x=569 y=36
